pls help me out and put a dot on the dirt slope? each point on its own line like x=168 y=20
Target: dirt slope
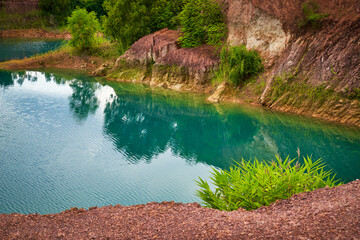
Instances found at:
x=323 y=214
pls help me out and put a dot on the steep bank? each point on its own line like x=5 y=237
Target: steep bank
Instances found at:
x=329 y=213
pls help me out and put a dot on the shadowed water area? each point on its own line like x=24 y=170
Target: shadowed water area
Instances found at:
x=67 y=140
x=21 y=48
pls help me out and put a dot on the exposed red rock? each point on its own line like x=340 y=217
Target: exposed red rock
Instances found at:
x=328 y=213
x=152 y=48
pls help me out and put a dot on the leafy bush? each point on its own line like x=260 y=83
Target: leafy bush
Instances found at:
x=83 y=26
x=313 y=17
x=202 y=22
x=238 y=63
x=251 y=185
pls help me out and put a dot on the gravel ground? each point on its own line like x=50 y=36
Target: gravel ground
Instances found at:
x=323 y=214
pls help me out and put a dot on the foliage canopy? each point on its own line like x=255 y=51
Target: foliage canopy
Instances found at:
x=251 y=185
x=129 y=20
x=83 y=26
x=202 y=22
x=61 y=9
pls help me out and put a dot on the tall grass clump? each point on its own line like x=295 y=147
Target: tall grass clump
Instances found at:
x=237 y=64
x=252 y=184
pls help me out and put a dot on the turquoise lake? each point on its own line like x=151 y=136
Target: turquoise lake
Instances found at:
x=69 y=140
x=21 y=48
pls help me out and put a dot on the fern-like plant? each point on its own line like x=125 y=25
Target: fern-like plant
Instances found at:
x=252 y=184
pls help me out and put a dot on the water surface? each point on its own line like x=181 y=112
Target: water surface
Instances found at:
x=21 y=48
x=68 y=140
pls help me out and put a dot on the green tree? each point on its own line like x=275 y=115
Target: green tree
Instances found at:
x=202 y=22
x=83 y=26
x=95 y=6
x=129 y=20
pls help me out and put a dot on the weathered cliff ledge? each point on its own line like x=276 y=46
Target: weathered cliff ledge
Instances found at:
x=328 y=213
x=309 y=71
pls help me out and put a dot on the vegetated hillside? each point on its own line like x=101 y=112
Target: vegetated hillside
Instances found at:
x=312 y=64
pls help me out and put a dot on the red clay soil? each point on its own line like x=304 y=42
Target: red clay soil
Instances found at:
x=323 y=214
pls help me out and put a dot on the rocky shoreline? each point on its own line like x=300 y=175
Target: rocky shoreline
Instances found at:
x=328 y=213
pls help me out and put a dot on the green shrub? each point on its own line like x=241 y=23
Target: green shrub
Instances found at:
x=251 y=185
x=312 y=14
x=238 y=64
x=202 y=22
x=83 y=26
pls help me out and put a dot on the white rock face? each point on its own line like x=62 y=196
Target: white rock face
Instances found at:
x=256 y=29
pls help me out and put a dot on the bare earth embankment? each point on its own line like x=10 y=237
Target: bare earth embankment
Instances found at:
x=329 y=213
x=34 y=33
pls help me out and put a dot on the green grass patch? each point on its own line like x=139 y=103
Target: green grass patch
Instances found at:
x=252 y=184
x=299 y=93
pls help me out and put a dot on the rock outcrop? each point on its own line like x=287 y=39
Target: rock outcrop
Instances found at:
x=161 y=52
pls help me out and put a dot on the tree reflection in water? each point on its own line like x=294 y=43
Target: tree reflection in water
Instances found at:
x=83 y=100
x=144 y=126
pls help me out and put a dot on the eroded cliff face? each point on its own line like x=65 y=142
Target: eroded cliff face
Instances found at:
x=256 y=29
x=272 y=28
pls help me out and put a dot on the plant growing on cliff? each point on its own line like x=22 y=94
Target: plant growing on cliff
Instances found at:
x=237 y=64
x=313 y=16
x=202 y=22
x=83 y=26
x=252 y=184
